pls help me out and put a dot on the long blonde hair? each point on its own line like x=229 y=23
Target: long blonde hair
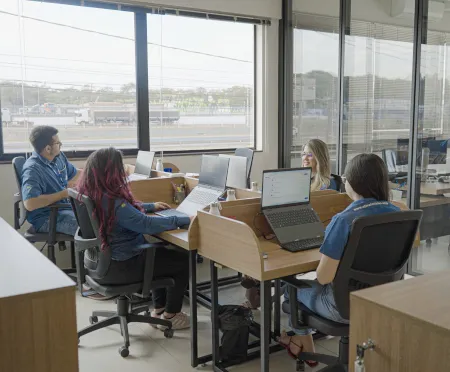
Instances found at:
x=319 y=149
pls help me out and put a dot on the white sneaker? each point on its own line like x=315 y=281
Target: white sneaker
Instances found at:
x=179 y=321
x=154 y=315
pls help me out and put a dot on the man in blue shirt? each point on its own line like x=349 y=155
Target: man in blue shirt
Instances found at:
x=45 y=178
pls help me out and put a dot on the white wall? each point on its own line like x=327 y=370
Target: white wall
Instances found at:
x=255 y=8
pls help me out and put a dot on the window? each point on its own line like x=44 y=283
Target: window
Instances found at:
x=315 y=83
x=201 y=83
x=70 y=67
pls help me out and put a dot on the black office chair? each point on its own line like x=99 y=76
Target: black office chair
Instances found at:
x=93 y=264
x=246 y=153
x=50 y=238
x=338 y=181
x=376 y=253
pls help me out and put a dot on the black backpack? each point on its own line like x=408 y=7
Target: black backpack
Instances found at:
x=234 y=322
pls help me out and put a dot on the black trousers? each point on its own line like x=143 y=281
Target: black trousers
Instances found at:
x=168 y=263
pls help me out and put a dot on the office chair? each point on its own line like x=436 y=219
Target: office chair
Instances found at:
x=93 y=264
x=338 y=181
x=50 y=238
x=246 y=153
x=376 y=253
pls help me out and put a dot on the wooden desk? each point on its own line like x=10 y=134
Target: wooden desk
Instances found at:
x=431 y=188
x=409 y=322
x=37 y=310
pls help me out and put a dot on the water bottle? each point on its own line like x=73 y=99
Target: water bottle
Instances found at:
x=254 y=186
x=214 y=208
x=231 y=195
x=159 y=166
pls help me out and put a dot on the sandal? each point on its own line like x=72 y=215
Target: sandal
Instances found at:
x=311 y=363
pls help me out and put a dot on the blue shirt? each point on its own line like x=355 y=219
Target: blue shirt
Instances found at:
x=43 y=177
x=332 y=186
x=338 y=231
x=127 y=235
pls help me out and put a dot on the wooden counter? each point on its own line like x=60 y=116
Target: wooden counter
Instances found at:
x=37 y=310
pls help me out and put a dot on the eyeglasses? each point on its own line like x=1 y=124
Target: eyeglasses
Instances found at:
x=307 y=154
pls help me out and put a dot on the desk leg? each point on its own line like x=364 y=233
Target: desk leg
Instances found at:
x=215 y=315
x=277 y=308
x=266 y=309
x=193 y=306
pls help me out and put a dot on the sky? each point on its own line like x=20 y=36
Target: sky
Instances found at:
x=63 y=55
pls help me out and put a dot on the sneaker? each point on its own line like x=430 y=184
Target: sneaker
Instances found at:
x=154 y=315
x=179 y=321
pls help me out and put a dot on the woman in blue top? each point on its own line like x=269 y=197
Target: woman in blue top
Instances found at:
x=123 y=223
x=316 y=156
x=366 y=183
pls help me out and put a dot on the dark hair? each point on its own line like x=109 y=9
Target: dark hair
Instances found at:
x=368 y=176
x=42 y=136
x=104 y=176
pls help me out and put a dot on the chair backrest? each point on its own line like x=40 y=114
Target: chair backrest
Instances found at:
x=246 y=153
x=376 y=253
x=338 y=181
x=20 y=213
x=389 y=157
x=88 y=237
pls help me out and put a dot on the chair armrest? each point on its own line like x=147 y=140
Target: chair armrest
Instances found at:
x=60 y=206
x=298 y=283
x=82 y=245
x=17 y=197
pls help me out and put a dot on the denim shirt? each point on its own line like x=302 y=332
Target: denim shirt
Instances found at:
x=127 y=235
x=338 y=231
x=43 y=177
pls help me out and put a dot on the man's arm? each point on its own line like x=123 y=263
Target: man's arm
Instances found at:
x=73 y=181
x=42 y=201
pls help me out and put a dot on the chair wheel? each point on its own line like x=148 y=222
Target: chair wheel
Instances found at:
x=124 y=352
x=168 y=333
x=199 y=259
x=93 y=319
x=300 y=366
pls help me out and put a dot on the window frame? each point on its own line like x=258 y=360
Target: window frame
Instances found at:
x=141 y=80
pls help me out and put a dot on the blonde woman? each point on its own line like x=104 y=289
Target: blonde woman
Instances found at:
x=316 y=156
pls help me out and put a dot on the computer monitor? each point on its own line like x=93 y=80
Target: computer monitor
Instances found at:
x=403 y=150
x=214 y=171
x=438 y=151
x=286 y=187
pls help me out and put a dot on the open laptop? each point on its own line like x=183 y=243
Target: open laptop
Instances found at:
x=237 y=171
x=211 y=185
x=285 y=203
x=143 y=167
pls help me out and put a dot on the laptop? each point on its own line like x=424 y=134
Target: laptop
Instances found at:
x=211 y=185
x=237 y=171
x=143 y=167
x=285 y=202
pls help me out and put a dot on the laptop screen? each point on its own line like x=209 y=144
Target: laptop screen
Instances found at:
x=286 y=187
x=214 y=171
x=144 y=163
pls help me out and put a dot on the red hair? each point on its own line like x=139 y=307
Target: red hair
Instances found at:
x=104 y=177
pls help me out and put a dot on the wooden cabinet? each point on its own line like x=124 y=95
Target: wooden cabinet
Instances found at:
x=37 y=310
x=409 y=322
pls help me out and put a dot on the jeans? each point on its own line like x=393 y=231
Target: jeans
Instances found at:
x=66 y=223
x=319 y=299
x=168 y=263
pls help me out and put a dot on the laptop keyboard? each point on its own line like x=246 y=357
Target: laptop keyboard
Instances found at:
x=203 y=196
x=303 y=245
x=292 y=218
x=171 y=213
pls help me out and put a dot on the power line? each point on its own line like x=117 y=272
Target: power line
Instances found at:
x=124 y=38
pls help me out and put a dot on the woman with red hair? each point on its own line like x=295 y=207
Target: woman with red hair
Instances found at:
x=123 y=223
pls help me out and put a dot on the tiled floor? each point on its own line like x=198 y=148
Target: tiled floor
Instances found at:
x=150 y=351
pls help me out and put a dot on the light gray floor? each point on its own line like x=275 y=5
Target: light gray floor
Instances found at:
x=150 y=351
x=432 y=258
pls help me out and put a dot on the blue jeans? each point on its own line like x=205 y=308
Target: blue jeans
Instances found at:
x=319 y=299
x=66 y=223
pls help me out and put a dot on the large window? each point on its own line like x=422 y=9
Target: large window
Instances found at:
x=74 y=67
x=69 y=67
x=315 y=83
x=201 y=83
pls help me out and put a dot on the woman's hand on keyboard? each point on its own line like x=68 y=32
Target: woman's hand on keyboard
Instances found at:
x=160 y=206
